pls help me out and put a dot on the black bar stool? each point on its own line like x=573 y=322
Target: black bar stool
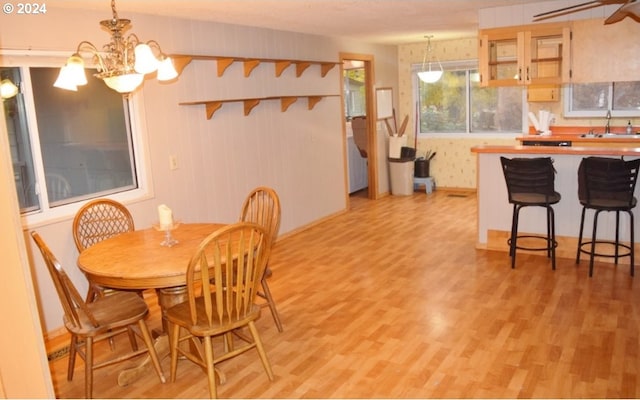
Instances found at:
x=530 y=183
x=607 y=184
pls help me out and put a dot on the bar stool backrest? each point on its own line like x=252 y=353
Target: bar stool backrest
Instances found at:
x=529 y=176
x=608 y=179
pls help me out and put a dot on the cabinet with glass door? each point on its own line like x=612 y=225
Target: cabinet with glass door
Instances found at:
x=525 y=55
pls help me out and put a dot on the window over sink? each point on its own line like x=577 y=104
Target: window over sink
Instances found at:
x=587 y=100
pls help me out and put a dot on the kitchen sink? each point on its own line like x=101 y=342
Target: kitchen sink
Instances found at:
x=610 y=135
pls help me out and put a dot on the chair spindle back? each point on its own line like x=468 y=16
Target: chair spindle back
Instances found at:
x=225 y=273
x=75 y=309
x=262 y=207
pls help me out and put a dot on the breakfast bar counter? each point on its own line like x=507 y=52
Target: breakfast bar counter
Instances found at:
x=584 y=140
x=494 y=210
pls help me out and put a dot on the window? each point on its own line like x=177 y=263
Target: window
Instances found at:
x=457 y=104
x=67 y=147
x=595 y=99
x=354 y=89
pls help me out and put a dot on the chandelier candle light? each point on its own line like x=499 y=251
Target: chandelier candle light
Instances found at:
x=8 y=89
x=429 y=75
x=122 y=63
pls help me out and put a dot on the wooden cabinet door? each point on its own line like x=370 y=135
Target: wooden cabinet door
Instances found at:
x=543 y=93
x=605 y=53
x=498 y=58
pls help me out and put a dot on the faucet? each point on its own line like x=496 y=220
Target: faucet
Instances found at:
x=607 y=127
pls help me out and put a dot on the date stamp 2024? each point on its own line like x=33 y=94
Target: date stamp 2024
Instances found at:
x=24 y=8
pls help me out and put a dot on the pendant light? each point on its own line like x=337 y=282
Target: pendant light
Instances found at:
x=428 y=74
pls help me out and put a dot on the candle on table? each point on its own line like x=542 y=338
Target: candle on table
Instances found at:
x=165 y=216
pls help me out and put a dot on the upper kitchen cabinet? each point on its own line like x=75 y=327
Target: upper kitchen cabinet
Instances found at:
x=525 y=55
x=605 y=53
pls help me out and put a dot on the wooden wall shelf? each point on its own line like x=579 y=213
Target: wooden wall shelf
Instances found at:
x=180 y=61
x=211 y=106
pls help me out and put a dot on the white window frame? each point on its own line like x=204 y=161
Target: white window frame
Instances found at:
x=569 y=112
x=139 y=140
x=464 y=65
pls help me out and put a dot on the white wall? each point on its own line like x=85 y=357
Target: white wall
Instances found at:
x=24 y=372
x=300 y=152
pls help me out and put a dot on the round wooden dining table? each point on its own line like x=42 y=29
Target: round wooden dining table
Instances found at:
x=138 y=260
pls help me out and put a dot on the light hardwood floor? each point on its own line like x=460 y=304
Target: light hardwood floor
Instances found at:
x=392 y=300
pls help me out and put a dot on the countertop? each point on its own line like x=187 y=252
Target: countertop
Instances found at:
x=596 y=138
x=573 y=150
x=580 y=134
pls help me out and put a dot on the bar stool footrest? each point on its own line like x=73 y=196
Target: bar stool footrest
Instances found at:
x=612 y=243
x=548 y=240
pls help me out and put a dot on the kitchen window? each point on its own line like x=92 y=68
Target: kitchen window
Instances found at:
x=67 y=147
x=587 y=100
x=457 y=104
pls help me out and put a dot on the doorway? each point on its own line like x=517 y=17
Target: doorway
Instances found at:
x=356 y=125
x=358 y=100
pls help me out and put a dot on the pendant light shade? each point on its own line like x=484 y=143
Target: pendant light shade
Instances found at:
x=431 y=67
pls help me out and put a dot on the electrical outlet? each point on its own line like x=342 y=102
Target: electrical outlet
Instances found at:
x=173 y=162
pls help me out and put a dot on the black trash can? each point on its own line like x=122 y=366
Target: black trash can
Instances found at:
x=421 y=169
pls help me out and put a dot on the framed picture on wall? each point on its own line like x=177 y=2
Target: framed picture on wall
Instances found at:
x=384 y=103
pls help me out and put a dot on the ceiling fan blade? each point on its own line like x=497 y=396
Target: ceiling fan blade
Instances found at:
x=565 y=10
x=630 y=9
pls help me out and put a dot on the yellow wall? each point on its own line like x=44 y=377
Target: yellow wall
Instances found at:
x=454 y=166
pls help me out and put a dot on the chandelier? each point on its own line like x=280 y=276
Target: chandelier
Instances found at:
x=429 y=75
x=122 y=63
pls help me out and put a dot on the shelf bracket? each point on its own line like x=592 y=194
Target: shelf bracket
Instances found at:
x=300 y=67
x=281 y=66
x=223 y=64
x=211 y=107
x=180 y=62
x=249 y=65
x=249 y=104
x=313 y=100
x=285 y=102
x=325 y=68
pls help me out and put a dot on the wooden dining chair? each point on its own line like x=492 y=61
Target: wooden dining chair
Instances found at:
x=222 y=277
x=262 y=206
x=96 y=221
x=90 y=322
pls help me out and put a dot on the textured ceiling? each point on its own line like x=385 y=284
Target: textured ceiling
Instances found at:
x=375 y=21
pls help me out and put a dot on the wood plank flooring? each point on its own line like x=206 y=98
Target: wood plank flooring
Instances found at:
x=392 y=300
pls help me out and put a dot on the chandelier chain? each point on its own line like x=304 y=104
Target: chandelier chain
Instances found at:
x=113 y=10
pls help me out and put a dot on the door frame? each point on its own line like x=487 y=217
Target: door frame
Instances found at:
x=372 y=117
